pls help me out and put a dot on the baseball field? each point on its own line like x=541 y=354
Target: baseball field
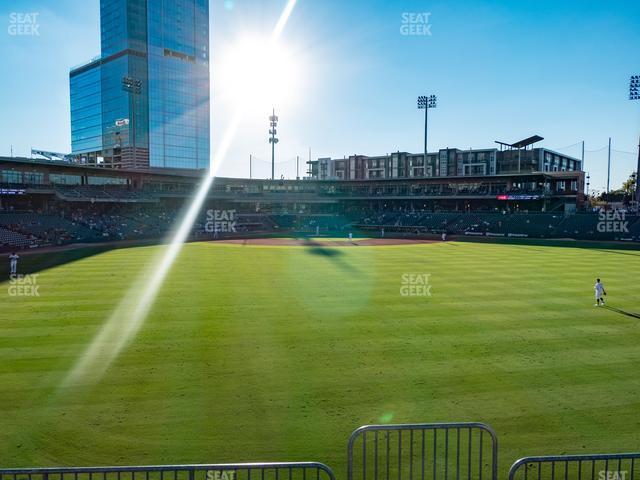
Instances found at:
x=267 y=353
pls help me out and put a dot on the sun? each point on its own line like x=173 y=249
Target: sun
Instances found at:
x=258 y=72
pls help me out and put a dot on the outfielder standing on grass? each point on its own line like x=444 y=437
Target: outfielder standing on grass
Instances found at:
x=13 y=263
x=600 y=293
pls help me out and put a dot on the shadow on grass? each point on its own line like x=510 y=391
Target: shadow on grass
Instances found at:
x=623 y=312
x=333 y=254
x=636 y=254
x=608 y=246
x=34 y=262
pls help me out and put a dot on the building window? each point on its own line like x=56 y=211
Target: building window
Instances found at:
x=62 y=179
x=9 y=176
x=34 y=178
x=106 y=181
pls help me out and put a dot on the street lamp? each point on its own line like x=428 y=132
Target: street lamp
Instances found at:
x=426 y=102
x=634 y=94
x=273 y=123
x=134 y=87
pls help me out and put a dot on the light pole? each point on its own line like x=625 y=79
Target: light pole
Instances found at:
x=634 y=94
x=609 y=166
x=134 y=87
x=273 y=123
x=426 y=102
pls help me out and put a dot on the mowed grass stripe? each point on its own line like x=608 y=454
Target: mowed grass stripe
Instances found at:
x=277 y=353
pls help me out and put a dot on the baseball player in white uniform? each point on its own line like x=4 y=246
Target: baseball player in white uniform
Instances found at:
x=13 y=263
x=600 y=293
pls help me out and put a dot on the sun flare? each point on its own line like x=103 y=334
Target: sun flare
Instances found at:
x=258 y=72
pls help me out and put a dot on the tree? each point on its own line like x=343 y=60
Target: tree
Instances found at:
x=628 y=187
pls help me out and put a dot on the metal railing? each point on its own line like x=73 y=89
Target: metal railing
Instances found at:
x=224 y=471
x=615 y=466
x=423 y=451
x=420 y=451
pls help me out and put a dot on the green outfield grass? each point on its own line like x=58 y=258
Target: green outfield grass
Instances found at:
x=277 y=353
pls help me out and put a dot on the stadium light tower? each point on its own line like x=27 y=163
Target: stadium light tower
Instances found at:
x=134 y=87
x=426 y=102
x=634 y=94
x=273 y=123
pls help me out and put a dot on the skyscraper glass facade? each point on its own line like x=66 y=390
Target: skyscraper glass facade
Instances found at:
x=154 y=84
x=86 y=109
x=179 y=83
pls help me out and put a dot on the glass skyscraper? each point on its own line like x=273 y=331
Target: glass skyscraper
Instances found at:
x=145 y=101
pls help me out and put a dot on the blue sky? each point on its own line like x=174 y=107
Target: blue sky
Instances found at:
x=502 y=70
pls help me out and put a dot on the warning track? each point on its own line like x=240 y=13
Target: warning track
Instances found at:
x=320 y=242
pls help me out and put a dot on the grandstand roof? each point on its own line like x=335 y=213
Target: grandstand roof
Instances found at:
x=522 y=143
x=70 y=165
x=527 y=141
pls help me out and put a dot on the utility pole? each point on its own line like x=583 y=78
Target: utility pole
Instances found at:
x=273 y=123
x=583 y=166
x=609 y=165
x=297 y=167
x=250 y=166
x=519 y=159
x=638 y=179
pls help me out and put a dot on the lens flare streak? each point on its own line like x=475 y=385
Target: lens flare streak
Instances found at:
x=130 y=314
